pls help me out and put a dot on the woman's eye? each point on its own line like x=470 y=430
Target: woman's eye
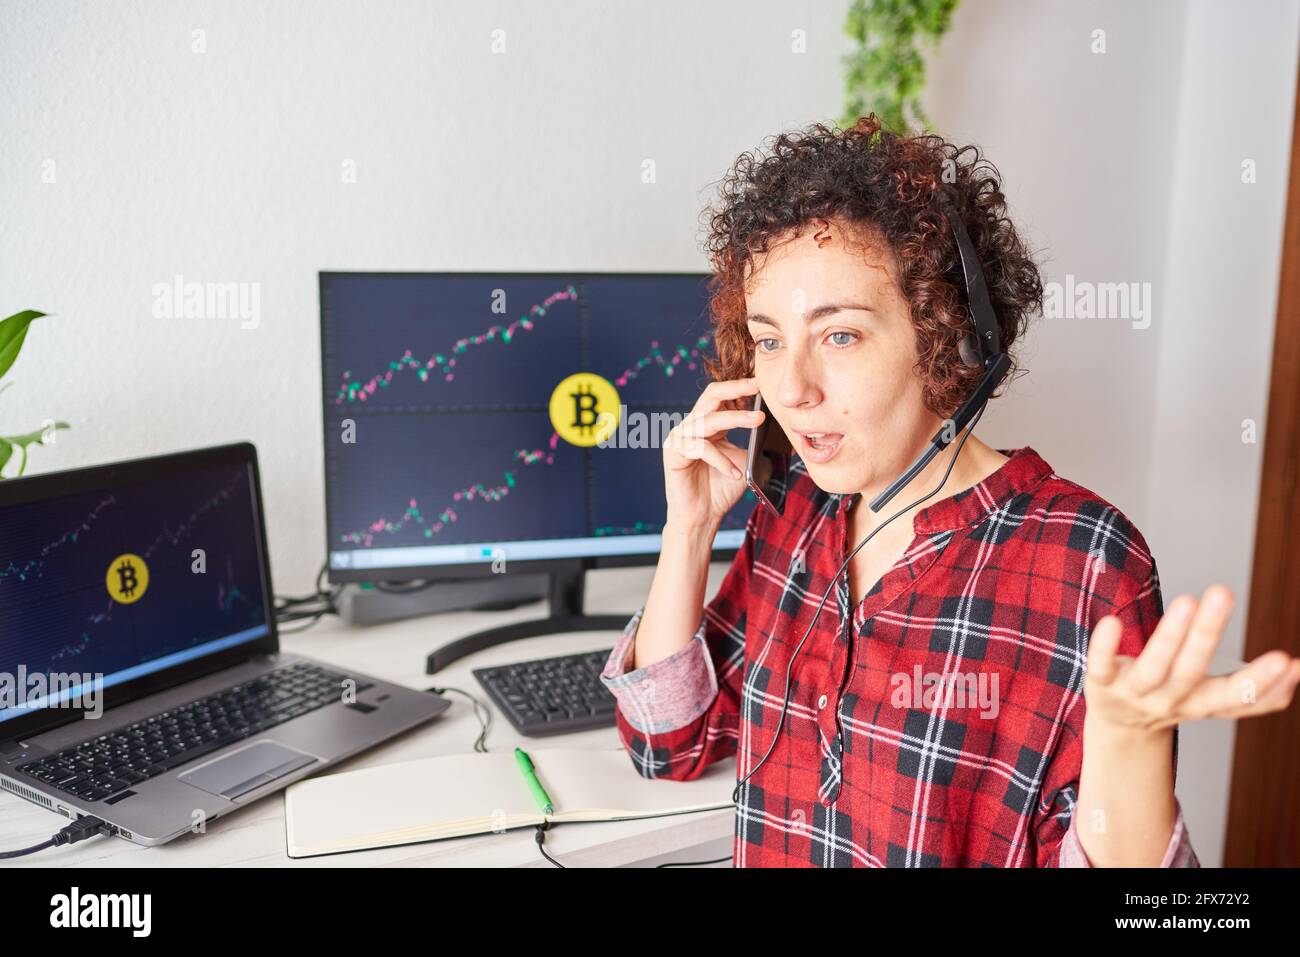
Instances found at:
x=848 y=341
x=758 y=344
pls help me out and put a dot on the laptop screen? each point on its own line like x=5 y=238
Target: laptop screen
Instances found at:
x=102 y=587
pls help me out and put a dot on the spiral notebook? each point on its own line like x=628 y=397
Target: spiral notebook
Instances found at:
x=476 y=793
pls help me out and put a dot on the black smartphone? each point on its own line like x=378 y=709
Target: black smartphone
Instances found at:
x=767 y=437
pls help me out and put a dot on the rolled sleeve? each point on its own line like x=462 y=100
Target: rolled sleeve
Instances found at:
x=666 y=695
x=1178 y=854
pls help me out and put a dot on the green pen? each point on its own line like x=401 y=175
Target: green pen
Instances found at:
x=539 y=793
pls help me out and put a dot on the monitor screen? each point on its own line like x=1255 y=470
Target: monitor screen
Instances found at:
x=125 y=581
x=473 y=419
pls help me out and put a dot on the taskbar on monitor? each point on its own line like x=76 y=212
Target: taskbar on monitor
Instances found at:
x=538 y=550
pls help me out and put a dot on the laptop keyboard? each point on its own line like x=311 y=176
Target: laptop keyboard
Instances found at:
x=101 y=767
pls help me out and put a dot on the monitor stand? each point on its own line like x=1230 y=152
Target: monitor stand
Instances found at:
x=362 y=605
x=566 y=592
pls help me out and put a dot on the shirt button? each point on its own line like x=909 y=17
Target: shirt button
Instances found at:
x=821 y=702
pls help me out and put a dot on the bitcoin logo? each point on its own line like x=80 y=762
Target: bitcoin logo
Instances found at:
x=584 y=409
x=127 y=578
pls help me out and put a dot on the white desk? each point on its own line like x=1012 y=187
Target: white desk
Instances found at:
x=254 y=836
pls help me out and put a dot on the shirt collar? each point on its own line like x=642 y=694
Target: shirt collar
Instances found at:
x=1023 y=470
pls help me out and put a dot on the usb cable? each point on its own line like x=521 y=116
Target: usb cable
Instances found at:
x=78 y=830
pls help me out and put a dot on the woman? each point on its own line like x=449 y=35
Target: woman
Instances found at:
x=935 y=714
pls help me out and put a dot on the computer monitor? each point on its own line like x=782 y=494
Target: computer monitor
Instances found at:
x=476 y=423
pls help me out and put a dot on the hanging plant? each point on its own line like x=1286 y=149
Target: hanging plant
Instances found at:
x=886 y=73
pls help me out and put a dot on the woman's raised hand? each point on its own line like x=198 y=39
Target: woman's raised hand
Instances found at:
x=704 y=474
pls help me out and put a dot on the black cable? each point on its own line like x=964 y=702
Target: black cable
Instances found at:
x=693 y=863
x=540 y=837
x=548 y=825
x=284 y=603
x=286 y=617
x=484 y=720
x=78 y=830
x=314 y=619
x=288 y=609
x=785 y=704
x=5 y=855
x=631 y=817
x=321 y=594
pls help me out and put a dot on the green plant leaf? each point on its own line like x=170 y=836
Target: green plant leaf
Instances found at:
x=12 y=332
x=33 y=438
x=885 y=72
x=8 y=442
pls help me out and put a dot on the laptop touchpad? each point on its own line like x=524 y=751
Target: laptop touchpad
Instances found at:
x=245 y=770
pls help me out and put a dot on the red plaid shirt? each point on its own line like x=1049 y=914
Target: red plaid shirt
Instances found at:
x=939 y=722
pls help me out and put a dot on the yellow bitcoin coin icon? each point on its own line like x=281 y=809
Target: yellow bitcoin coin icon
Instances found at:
x=585 y=409
x=127 y=578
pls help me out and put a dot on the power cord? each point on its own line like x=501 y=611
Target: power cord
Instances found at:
x=484 y=719
x=313 y=616
x=541 y=837
x=541 y=829
x=693 y=863
x=318 y=595
x=290 y=609
x=79 y=830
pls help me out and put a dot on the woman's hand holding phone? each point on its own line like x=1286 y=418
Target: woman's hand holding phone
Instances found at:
x=704 y=474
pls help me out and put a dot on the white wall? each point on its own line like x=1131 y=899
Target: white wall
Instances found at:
x=1126 y=166
x=1221 y=278
x=225 y=166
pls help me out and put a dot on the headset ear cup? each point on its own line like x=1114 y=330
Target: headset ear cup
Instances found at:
x=969 y=351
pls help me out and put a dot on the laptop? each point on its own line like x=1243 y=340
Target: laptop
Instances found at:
x=141 y=676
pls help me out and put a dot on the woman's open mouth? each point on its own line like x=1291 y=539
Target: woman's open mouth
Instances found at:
x=819 y=447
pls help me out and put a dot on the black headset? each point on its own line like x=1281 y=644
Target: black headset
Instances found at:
x=981 y=347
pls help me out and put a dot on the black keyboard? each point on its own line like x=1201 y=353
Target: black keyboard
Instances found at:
x=104 y=766
x=552 y=695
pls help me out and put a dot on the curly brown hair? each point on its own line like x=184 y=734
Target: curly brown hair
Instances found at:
x=885 y=188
